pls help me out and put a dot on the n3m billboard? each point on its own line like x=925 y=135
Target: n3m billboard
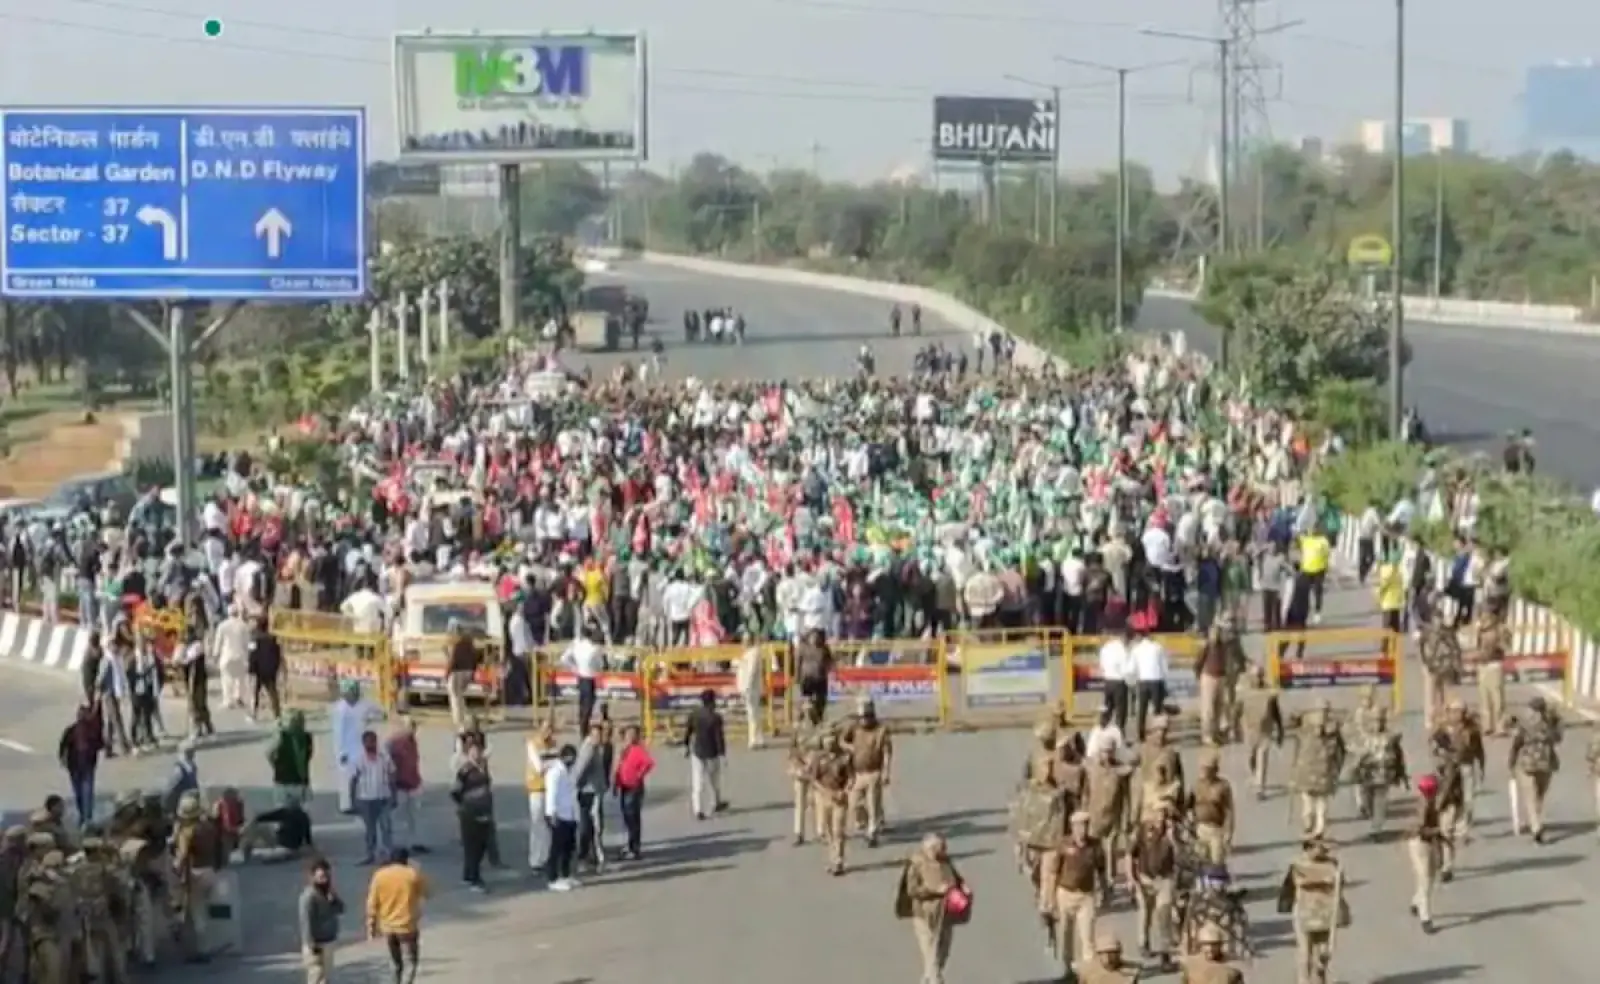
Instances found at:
x=981 y=129
x=508 y=98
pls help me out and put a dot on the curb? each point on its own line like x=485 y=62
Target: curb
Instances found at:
x=30 y=639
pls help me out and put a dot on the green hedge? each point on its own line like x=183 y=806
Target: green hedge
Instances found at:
x=1551 y=536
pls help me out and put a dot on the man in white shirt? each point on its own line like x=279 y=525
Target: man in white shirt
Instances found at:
x=586 y=661
x=1150 y=669
x=365 y=609
x=679 y=600
x=1116 y=669
x=1072 y=575
x=751 y=680
x=561 y=812
x=233 y=656
x=520 y=635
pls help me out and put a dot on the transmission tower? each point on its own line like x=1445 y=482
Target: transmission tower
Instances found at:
x=1254 y=80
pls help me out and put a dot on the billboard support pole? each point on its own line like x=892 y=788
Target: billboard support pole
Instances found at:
x=182 y=406
x=510 y=246
x=176 y=338
x=1055 y=164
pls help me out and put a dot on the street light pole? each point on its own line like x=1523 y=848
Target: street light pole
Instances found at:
x=1397 y=314
x=1121 y=72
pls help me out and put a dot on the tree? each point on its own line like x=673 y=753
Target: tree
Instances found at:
x=1297 y=327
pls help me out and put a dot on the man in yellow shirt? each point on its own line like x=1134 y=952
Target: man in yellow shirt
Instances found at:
x=596 y=584
x=1316 y=550
x=1391 y=592
x=394 y=912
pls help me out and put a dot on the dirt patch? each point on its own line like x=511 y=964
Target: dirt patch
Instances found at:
x=54 y=447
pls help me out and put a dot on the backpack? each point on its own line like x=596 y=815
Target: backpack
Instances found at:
x=1538 y=753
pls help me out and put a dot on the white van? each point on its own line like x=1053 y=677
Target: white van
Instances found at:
x=422 y=633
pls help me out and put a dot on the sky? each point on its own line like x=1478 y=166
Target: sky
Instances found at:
x=842 y=85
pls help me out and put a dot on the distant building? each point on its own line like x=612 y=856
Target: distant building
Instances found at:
x=1561 y=108
x=1420 y=136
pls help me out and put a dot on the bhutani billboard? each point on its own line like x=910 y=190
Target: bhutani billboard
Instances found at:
x=976 y=129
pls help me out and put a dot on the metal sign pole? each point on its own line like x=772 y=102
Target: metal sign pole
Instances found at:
x=375 y=350
x=424 y=331
x=402 y=311
x=510 y=247
x=444 y=316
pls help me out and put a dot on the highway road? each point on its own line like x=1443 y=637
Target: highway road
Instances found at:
x=1474 y=385
x=792 y=332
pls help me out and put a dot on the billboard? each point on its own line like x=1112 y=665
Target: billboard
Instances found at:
x=513 y=97
x=994 y=130
x=1561 y=105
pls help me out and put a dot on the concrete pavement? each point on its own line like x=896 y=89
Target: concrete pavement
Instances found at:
x=1475 y=384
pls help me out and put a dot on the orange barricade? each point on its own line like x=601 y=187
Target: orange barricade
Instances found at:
x=676 y=679
x=1539 y=654
x=1082 y=669
x=1006 y=673
x=1336 y=658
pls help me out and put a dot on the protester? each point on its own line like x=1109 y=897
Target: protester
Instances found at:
x=406 y=755
x=473 y=794
x=319 y=910
x=705 y=744
x=561 y=812
x=266 y=667
x=634 y=766
x=289 y=757
x=372 y=791
x=394 y=912
x=82 y=743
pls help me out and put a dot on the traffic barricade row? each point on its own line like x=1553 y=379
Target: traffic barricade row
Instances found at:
x=978 y=679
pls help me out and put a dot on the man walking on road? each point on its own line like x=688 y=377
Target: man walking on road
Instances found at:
x=706 y=745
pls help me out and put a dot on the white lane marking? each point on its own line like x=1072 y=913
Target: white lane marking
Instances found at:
x=15 y=746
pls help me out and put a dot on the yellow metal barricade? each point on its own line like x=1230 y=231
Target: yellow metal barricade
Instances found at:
x=1314 y=658
x=322 y=650
x=673 y=682
x=1006 y=676
x=1082 y=668
x=423 y=682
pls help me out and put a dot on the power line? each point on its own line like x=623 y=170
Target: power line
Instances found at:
x=864 y=95
x=1052 y=20
x=387 y=43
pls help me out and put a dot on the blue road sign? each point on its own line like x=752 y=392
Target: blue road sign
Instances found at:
x=247 y=203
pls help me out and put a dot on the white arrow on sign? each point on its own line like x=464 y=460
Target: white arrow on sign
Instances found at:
x=152 y=216
x=274 y=227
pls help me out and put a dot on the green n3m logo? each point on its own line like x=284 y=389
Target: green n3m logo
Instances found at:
x=548 y=70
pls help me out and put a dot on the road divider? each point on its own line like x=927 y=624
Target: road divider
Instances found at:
x=31 y=639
